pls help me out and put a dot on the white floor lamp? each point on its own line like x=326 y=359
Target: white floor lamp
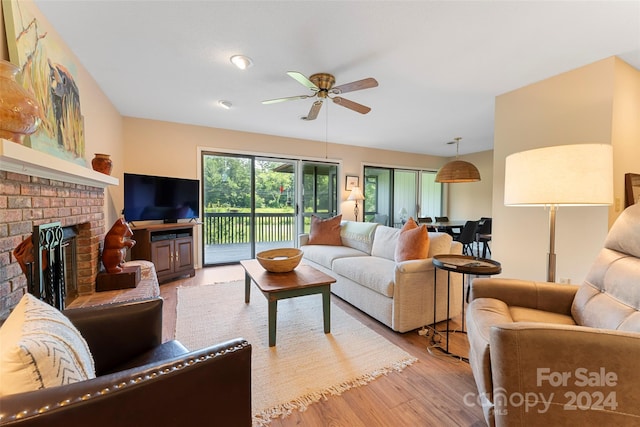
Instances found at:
x=564 y=175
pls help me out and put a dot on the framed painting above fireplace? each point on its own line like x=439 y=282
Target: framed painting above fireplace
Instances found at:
x=49 y=70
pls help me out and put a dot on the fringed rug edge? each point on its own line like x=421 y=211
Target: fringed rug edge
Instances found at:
x=263 y=417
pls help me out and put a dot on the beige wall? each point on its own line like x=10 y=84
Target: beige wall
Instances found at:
x=4 y=51
x=575 y=107
x=103 y=134
x=473 y=200
x=102 y=125
x=626 y=130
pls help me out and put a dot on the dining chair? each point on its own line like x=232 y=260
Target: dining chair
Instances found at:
x=428 y=221
x=467 y=237
x=483 y=236
x=444 y=219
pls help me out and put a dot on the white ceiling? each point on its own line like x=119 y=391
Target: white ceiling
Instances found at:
x=439 y=64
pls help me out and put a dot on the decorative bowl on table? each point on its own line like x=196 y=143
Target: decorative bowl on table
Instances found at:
x=280 y=260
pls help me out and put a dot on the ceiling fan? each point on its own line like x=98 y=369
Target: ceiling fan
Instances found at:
x=322 y=85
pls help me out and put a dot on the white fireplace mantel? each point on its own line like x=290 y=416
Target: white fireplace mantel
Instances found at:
x=27 y=161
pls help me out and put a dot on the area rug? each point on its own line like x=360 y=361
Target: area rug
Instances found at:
x=306 y=364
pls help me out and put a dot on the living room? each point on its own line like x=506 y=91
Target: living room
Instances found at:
x=598 y=101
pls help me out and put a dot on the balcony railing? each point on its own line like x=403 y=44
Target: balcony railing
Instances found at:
x=235 y=227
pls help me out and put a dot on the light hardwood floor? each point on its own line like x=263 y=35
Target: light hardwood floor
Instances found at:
x=431 y=392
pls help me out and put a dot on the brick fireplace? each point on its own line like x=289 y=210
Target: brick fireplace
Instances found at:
x=34 y=198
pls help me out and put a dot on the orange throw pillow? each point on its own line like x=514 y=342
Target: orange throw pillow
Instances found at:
x=325 y=231
x=413 y=242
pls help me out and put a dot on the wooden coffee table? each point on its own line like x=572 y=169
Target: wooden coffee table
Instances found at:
x=304 y=280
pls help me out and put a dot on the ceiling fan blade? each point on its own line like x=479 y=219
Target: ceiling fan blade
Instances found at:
x=303 y=80
x=290 y=98
x=362 y=109
x=315 y=109
x=357 y=85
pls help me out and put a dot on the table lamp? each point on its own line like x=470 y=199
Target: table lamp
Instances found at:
x=564 y=175
x=356 y=195
x=403 y=215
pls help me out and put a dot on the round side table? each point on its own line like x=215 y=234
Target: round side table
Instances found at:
x=465 y=265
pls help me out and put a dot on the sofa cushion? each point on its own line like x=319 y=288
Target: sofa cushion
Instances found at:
x=358 y=235
x=372 y=272
x=609 y=296
x=413 y=242
x=439 y=244
x=325 y=255
x=624 y=235
x=384 y=242
x=525 y=314
x=325 y=231
x=41 y=348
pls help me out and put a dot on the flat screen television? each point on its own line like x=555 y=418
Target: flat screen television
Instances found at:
x=152 y=198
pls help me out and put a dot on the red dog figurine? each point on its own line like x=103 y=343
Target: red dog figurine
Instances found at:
x=116 y=242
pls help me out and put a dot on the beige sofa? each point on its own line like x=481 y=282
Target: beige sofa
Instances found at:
x=398 y=294
x=551 y=354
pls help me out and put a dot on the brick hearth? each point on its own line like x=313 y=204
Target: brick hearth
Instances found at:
x=26 y=201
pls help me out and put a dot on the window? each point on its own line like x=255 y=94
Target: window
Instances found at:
x=400 y=194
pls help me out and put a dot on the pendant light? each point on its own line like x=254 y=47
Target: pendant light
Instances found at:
x=458 y=170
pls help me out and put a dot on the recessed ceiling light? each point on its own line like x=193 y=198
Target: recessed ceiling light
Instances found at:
x=241 y=61
x=225 y=104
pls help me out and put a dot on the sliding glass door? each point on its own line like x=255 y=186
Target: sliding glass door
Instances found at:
x=249 y=206
x=275 y=204
x=319 y=192
x=253 y=203
x=394 y=195
x=405 y=195
x=378 y=184
x=227 y=205
x=430 y=195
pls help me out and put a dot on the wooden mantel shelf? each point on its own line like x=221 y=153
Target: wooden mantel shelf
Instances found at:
x=27 y=161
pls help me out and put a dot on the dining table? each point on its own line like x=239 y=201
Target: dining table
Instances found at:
x=454 y=226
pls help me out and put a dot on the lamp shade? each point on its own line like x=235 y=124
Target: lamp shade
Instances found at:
x=564 y=175
x=356 y=194
x=458 y=171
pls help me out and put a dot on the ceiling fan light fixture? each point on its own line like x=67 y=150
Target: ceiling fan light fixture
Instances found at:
x=225 y=104
x=241 y=61
x=322 y=87
x=457 y=170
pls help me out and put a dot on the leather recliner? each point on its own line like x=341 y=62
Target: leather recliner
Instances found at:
x=553 y=354
x=139 y=380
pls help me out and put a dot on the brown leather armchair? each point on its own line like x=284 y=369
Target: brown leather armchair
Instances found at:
x=139 y=380
x=551 y=354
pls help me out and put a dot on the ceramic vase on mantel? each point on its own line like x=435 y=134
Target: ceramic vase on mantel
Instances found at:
x=19 y=112
x=102 y=163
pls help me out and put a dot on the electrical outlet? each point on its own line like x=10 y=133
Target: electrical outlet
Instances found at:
x=565 y=281
x=617 y=204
